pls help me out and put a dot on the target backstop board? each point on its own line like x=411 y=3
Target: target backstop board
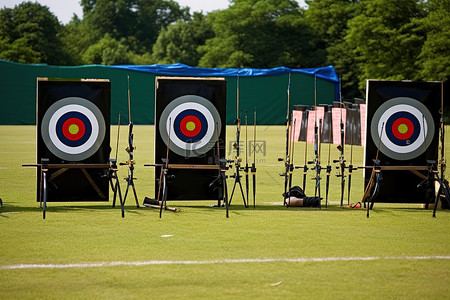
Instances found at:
x=190 y=116
x=402 y=123
x=73 y=118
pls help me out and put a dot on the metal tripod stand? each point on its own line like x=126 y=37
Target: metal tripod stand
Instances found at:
x=237 y=180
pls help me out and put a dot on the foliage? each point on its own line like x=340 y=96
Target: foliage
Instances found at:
x=329 y=19
x=139 y=21
x=434 y=57
x=76 y=39
x=261 y=34
x=107 y=51
x=387 y=39
x=18 y=51
x=179 y=42
x=362 y=39
x=29 y=34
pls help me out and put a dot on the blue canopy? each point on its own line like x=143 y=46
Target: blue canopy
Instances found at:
x=327 y=73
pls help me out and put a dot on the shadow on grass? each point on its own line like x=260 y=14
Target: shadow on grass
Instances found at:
x=380 y=209
x=84 y=207
x=393 y=210
x=10 y=208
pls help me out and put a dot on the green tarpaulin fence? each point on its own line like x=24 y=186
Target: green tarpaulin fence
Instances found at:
x=265 y=90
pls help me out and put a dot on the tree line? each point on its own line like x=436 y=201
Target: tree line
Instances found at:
x=377 y=39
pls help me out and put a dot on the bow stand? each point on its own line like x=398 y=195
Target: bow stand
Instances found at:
x=246 y=168
x=130 y=162
x=341 y=167
x=237 y=160
x=328 y=169
x=317 y=145
x=351 y=168
x=287 y=160
x=253 y=169
x=305 y=166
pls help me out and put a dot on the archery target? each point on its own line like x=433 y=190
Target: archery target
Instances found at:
x=192 y=123
x=73 y=128
x=403 y=127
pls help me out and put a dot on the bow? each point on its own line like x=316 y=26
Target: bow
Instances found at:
x=305 y=166
x=246 y=168
x=317 y=167
x=351 y=168
x=341 y=148
x=287 y=160
x=328 y=169
x=253 y=169
x=442 y=132
x=237 y=160
x=375 y=179
x=130 y=149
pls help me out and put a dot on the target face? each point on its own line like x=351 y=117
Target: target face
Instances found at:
x=408 y=128
x=73 y=128
x=192 y=123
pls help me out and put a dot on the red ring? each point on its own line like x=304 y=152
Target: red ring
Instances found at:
x=187 y=132
x=408 y=133
x=68 y=134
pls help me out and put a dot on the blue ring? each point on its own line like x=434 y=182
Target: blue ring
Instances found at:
x=80 y=141
x=180 y=117
x=406 y=115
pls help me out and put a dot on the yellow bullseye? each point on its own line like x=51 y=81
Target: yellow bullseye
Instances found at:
x=402 y=128
x=190 y=126
x=73 y=129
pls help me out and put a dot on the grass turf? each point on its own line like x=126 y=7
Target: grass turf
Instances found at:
x=76 y=233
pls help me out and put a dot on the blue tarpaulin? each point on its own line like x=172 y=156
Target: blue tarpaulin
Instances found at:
x=327 y=73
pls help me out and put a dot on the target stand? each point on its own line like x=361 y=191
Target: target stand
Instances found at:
x=115 y=185
x=165 y=177
x=45 y=177
x=443 y=187
x=376 y=180
x=237 y=180
x=402 y=117
x=73 y=133
x=190 y=118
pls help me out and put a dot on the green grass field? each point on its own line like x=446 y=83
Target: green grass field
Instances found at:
x=267 y=252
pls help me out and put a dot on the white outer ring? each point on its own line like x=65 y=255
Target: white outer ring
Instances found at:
x=420 y=139
x=54 y=137
x=209 y=119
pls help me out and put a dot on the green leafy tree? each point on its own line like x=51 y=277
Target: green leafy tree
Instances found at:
x=180 y=41
x=107 y=51
x=31 y=30
x=76 y=38
x=261 y=34
x=435 y=54
x=139 y=21
x=329 y=19
x=18 y=51
x=387 y=39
